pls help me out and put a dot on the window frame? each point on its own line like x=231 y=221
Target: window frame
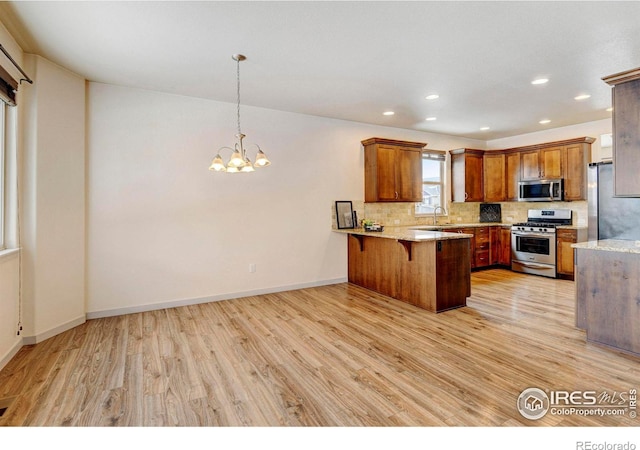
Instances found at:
x=3 y=175
x=440 y=156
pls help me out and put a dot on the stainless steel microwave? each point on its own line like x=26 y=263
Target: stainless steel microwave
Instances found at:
x=541 y=190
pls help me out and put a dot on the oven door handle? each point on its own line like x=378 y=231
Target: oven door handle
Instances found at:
x=541 y=235
x=534 y=265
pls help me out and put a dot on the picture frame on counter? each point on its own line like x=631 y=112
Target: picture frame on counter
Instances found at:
x=344 y=214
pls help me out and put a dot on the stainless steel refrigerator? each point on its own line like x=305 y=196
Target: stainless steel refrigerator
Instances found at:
x=610 y=217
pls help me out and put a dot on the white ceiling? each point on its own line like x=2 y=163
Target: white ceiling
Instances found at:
x=353 y=60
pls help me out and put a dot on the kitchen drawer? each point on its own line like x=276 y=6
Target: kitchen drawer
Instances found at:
x=482 y=258
x=482 y=232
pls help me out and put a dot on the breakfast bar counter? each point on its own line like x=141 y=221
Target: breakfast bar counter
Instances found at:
x=428 y=269
x=607 y=292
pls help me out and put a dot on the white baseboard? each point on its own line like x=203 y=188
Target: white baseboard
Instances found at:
x=213 y=298
x=30 y=340
x=11 y=353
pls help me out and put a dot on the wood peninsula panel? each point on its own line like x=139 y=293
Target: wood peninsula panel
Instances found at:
x=433 y=275
x=607 y=306
x=453 y=282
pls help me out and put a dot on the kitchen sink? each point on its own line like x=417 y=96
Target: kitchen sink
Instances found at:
x=427 y=228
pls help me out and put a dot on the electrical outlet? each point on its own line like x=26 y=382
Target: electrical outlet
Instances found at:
x=252 y=268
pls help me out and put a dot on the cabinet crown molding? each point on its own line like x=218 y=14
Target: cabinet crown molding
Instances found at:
x=385 y=141
x=580 y=140
x=622 y=77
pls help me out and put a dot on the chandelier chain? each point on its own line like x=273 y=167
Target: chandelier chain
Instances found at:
x=238 y=83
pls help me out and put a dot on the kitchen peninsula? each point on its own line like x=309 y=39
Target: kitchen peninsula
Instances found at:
x=607 y=287
x=428 y=269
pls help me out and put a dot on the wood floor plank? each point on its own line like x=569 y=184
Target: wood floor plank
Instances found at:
x=335 y=355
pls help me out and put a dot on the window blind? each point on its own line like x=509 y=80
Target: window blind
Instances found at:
x=436 y=155
x=8 y=87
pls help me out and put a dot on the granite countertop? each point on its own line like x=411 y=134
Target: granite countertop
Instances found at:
x=406 y=234
x=431 y=232
x=444 y=226
x=610 y=245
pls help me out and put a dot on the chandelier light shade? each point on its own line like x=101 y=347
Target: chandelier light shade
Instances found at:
x=239 y=162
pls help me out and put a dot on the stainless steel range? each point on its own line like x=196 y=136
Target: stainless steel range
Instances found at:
x=533 y=243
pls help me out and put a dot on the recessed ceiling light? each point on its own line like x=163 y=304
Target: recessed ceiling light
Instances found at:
x=432 y=97
x=544 y=121
x=484 y=128
x=582 y=97
x=540 y=81
x=430 y=119
x=388 y=113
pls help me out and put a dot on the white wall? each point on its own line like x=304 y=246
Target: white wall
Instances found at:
x=591 y=129
x=163 y=230
x=53 y=200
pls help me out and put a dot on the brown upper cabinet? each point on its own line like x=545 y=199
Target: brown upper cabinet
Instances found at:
x=626 y=132
x=512 y=175
x=561 y=159
x=575 y=158
x=545 y=163
x=467 y=175
x=494 y=176
x=392 y=170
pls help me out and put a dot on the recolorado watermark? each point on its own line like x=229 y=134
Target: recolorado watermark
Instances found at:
x=534 y=404
x=588 y=445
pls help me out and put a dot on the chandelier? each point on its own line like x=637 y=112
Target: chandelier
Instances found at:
x=239 y=161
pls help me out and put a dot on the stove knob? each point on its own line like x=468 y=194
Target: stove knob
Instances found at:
x=531 y=229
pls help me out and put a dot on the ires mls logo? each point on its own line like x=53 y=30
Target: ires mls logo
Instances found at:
x=534 y=403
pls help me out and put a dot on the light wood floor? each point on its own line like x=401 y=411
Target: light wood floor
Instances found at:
x=329 y=356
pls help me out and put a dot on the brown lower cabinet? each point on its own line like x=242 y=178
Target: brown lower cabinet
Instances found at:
x=565 y=260
x=504 y=246
x=483 y=245
x=433 y=275
x=490 y=246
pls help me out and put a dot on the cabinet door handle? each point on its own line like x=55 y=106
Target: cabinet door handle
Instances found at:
x=466 y=196
x=396 y=195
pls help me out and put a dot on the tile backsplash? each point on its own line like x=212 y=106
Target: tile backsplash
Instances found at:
x=403 y=214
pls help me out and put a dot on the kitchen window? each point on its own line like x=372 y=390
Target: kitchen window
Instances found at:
x=8 y=194
x=3 y=108
x=433 y=169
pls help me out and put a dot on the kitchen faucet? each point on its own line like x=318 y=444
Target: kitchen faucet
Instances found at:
x=435 y=210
